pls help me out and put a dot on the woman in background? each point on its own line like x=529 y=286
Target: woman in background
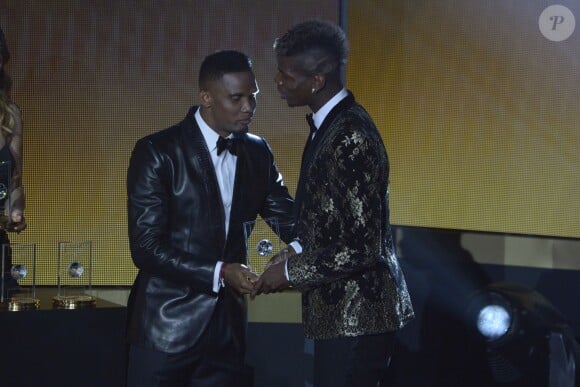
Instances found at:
x=11 y=190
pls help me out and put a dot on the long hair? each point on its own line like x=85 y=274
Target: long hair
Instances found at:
x=6 y=114
x=11 y=132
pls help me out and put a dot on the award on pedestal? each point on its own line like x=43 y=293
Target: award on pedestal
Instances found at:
x=75 y=263
x=17 y=285
x=262 y=242
x=5 y=178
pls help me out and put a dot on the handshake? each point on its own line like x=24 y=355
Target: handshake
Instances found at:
x=242 y=279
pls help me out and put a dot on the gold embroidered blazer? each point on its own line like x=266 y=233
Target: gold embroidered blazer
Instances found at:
x=348 y=273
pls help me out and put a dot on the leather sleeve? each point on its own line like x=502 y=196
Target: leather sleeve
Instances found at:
x=149 y=184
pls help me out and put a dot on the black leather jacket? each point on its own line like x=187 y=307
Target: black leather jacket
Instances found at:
x=176 y=231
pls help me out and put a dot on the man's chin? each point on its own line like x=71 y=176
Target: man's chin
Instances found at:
x=288 y=102
x=241 y=129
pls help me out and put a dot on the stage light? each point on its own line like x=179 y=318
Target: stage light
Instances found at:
x=528 y=341
x=493 y=321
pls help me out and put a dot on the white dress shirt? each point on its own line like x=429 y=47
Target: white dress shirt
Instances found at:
x=225 y=170
x=319 y=116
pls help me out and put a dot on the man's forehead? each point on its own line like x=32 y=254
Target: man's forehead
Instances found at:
x=238 y=82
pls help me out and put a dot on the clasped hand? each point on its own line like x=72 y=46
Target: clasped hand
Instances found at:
x=273 y=279
x=239 y=277
x=242 y=279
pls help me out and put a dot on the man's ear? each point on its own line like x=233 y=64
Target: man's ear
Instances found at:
x=205 y=98
x=318 y=82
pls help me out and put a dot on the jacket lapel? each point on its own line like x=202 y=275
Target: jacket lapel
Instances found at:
x=312 y=149
x=201 y=161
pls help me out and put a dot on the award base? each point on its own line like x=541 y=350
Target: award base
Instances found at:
x=20 y=303
x=74 y=302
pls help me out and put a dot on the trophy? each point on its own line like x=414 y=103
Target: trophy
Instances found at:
x=262 y=242
x=5 y=179
x=17 y=286
x=75 y=262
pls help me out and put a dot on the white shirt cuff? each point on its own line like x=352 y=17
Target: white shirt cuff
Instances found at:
x=296 y=246
x=216 y=277
x=286 y=270
x=298 y=249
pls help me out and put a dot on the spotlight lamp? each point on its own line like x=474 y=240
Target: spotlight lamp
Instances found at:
x=494 y=321
x=528 y=341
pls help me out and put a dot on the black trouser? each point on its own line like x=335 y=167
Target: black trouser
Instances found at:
x=211 y=362
x=360 y=361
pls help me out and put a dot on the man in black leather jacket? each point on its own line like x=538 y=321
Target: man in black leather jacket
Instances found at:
x=187 y=202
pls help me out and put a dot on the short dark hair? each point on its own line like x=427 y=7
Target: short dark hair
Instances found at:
x=215 y=65
x=324 y=43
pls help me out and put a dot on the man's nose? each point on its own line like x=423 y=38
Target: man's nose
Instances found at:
x=249 y=106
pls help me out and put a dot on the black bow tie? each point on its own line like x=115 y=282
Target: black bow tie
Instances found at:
x=313 y=127
x=226 y=143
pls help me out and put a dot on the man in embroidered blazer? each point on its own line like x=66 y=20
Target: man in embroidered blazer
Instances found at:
x=354 y=295
x=189 y=193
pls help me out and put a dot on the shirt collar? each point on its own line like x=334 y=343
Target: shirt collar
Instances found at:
x=321 y=114
x=209 y=135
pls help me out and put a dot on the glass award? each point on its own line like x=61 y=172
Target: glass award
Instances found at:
x=17 y=286
x=75 y=263
x=5 y=179
x=262 y=242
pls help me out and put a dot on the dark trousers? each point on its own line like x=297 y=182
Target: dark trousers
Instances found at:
x=211 y=362
x=360 y=361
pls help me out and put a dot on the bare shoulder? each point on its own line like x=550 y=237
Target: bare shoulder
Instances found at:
x=14 y=110
x=17 y=116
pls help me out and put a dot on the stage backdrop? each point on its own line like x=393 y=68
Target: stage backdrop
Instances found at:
x=91 y=77
x=478 y=104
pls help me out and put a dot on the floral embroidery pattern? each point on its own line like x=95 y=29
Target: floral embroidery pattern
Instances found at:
x=350 y=279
